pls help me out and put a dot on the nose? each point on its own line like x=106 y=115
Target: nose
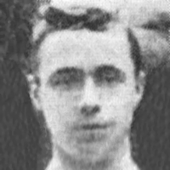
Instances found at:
x=88 y=110
x=90 y=99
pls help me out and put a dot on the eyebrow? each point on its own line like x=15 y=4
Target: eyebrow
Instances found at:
x=161 y=23
x=67 y=71
x=111 y=69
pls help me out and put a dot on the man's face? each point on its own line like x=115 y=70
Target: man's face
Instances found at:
x=86 y=79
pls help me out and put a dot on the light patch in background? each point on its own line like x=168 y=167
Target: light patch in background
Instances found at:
x=109 y=5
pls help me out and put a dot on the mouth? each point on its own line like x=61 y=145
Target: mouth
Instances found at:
x=93 y=126
x=91 y=133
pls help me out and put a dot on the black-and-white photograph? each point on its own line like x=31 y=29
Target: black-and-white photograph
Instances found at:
x=84 y=84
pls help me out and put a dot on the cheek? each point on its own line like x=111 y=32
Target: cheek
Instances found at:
x=118 y=105
x=58 y=107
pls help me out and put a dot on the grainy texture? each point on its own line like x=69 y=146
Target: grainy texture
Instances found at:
x=19 y=129
x=152 y=123
x=15 y=28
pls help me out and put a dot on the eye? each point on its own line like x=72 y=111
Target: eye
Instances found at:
x=108 y=75
x=67 y=80
x=108 y=78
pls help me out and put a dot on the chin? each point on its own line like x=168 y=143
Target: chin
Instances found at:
x=92 y=151
x=89 y=154
x=92 y=145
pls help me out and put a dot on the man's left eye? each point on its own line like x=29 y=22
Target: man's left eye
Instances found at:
x=70 y=80
x=108 y=78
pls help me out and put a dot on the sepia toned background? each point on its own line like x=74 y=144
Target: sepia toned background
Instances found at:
x=22 y=135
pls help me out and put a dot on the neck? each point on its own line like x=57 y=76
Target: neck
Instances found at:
x=122 y=160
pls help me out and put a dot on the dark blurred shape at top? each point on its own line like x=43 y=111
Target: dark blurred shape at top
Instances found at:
x=4 y=15
x=93 y=19
x=15 y=28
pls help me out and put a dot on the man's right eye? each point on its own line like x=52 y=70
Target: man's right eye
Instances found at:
x=68 y=77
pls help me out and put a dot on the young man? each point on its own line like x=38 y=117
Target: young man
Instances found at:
x=89 y=82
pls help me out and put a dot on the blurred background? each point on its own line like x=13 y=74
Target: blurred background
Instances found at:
x=23 y=139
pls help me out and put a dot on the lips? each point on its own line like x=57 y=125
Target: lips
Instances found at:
x=91 y=133
x=93 y=126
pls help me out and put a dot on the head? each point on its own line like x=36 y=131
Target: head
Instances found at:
x=90 y=81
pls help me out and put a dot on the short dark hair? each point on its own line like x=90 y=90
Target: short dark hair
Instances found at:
x=135 y=52
x=93 y=19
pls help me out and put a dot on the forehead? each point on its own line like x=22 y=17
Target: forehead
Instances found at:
x=84 y=50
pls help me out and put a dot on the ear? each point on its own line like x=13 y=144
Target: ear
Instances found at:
x=140 y=85
x=140 y=82
x=34 y=84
